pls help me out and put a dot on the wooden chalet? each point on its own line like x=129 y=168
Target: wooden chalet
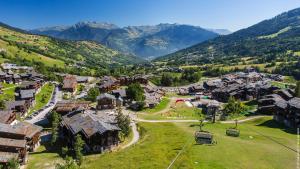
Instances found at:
x=106 y=101
x=20 y=107
x=69 y=83
x=32 y=134
x=7 y=116
x=108 y=83
x=64 y=107
x=98 y=133
x=126 y=80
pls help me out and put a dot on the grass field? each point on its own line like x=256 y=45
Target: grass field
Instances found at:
x=176 y=111
x=261 y=145
x=8 y=91
x=43 y=97
x=162 y=105
x=161 y=143
x=43 y=159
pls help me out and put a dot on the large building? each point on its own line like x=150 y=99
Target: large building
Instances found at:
x=99 y=131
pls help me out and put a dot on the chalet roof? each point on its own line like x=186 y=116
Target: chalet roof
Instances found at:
x=16 y=76
x=82 y=78
x=70 y=81
x=5 y=115
x=6 y=128
x=2 y=73
x=28 y=129
x=106 y=95
x=6 y=156
x=26 y=84
x=68 y=106
x=295 y=102
x=121 y=92
x=88 y=123
x=8 y=142
x=12 y=104
x=25 y=94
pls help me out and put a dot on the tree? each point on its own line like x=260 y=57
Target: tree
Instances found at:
x=234 y=107
x=135 y=92
x=123 y=122
x=69 y=164
x=92 y=94
x=78 y=147
x=55 y=119
x=297 y=90
x=2 y=105
x=166 y=80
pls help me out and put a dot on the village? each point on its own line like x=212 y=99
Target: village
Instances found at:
x=89 y=107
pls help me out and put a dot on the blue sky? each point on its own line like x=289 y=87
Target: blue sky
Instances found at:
x=229 y=14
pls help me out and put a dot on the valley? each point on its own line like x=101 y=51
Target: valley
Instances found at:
x=95 y=95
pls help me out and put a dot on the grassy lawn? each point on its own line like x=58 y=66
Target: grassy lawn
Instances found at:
x=8 y=92
x=162 y=105
x=162 y=141
x=43 y=158
x=177 y=111
x=43 y=97
x=261 y=145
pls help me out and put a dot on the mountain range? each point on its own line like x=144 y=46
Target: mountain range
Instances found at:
x=267 y=40
x=144 y=41
x=17 y=45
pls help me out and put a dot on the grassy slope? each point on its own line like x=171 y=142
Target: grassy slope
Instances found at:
x=58 y=52
x=8 y=91
x=162 y=142
x=46 y=91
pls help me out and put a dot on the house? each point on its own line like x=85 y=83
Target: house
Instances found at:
x=98 y=132
x=64 y=107
x=69 y=83
x=2 y=76
x=17 y=139
x=126 y=80
x=25 y=85
x=106 y=101
x=108 y=83
x=16 y=78
x=20 y=107
x=83 y=79
x=7 y=116
x=119 y=93
x=32 y=134
x=27 y=95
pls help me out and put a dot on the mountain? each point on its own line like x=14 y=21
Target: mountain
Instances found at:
x=143 y=41
x=267 y=41
x=18 y=45
x=220 y=31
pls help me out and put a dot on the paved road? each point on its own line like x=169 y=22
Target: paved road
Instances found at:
x=136 y=136
x=41 y=116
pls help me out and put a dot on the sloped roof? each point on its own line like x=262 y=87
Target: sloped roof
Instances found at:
x=28 y=129
x=25 y=94
x=106 y=95
x=88 y=123
x=5 y=115
x=295 y=102
x=12 y=142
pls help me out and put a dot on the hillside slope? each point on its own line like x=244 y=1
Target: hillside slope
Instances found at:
x=267 y=40
x=15 y=43
x=143 y=41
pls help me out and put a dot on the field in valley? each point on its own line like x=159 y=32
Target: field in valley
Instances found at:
x=263 y=144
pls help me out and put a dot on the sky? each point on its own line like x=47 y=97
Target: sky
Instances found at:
x=228 y=14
